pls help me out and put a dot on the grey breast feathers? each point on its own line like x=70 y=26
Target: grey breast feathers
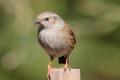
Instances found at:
x=57 y=42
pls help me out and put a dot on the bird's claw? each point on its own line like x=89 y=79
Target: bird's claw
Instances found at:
x=48 y=76
x=49 y=70
x=66 y=67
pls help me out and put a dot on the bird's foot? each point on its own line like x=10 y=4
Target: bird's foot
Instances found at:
x=66 y=67
x=49 y=71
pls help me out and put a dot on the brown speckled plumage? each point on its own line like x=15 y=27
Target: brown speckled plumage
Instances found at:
x=55 y=36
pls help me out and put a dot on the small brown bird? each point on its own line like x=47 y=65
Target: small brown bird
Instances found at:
x=56 y=37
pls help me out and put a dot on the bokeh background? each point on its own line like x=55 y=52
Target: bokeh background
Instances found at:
x=96 y=24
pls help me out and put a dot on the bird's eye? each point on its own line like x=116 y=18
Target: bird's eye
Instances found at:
x=46 y=19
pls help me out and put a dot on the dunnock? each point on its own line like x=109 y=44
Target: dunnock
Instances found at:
x=56 y=37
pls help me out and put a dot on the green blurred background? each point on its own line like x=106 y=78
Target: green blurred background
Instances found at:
x=96 y=24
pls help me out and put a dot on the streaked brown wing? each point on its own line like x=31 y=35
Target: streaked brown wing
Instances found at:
x=69 y=35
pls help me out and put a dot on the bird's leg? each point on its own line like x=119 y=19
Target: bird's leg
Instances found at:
x=66 y=66
x=49 y=65
x=49 y=68
x=50 y=62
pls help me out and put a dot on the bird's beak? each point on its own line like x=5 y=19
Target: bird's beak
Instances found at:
x=37 y=22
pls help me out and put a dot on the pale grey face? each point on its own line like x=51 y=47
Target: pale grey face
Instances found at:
x=49 y=20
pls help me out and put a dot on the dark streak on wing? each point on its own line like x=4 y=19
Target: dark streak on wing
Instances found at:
x=70 y=35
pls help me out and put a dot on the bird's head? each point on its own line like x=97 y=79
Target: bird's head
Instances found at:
x=49 y=20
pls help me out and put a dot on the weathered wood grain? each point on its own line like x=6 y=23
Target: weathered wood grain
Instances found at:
x=60 y=74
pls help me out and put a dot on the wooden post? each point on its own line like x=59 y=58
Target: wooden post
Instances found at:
x=60 y=74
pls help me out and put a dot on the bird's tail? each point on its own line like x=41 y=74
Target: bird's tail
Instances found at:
x=62 y=60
